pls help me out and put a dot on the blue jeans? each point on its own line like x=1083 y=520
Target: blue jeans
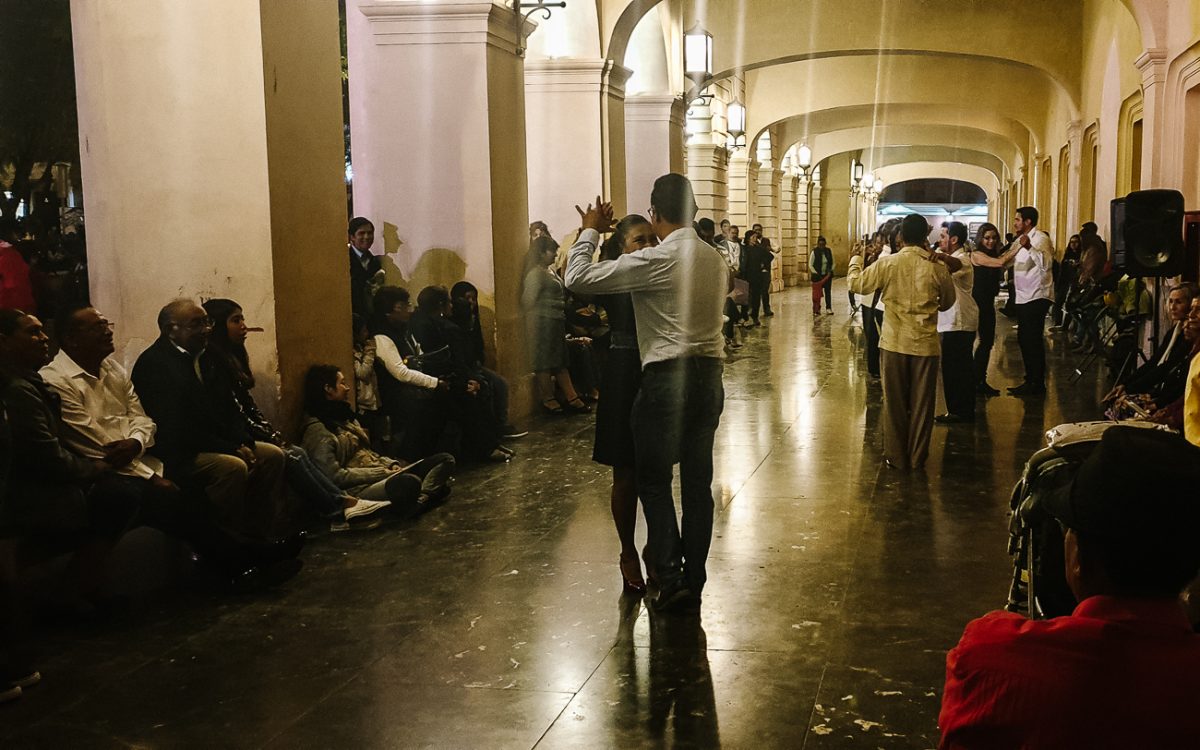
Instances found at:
x=310 y=483
x=675 y=418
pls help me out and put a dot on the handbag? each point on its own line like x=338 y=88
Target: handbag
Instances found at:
x=741 y=292
x=437 y=362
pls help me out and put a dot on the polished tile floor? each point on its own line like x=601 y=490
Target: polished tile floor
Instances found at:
x=835 y=589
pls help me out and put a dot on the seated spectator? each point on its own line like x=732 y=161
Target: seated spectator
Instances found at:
x=412 y=401
x=542 y=303
x=342 y=449
x=366 y=384
x=228 y=347
x=469 y=397
x=202 y=438
x=464 y=300
x=1161 y=378
x=1123 y=670
x=100 y=418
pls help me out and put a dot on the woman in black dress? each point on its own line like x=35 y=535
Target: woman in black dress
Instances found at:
x=619 y=387
x=985 y=290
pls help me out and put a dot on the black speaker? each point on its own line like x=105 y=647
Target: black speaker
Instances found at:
x=1147 y=233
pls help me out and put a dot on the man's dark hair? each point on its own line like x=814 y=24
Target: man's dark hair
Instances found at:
x=386 y=299
x=357 y=223
x=673 y=199
x=724 y=223
x=9 y=318
x=706 y=225
x=959 y=230
x=8 y=229
x=821 y=238
x=1089 y=227
x=914 y=229
x=1140 y=568
x=1028 y=213
x=65 y=322
x=433 y=299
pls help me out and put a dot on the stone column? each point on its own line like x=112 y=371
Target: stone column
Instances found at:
x=787 y=227
x=803 y=241
x=437 y=112
x=654 y=145
x=576 y=152
x=743 y=190
x=815 y=216
x=769 y=187
x=212 y=149
x=1153 y=66
x=708 y=170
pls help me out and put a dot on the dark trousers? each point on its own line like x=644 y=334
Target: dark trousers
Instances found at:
x=958 y=373
x=986 y=336
x=1031 y=321
x=760 y=297
x=872 y=327
x=766 y=297
x=675 y=416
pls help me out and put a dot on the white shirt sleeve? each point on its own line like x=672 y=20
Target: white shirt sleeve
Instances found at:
x=632 y=272
x=386 y=352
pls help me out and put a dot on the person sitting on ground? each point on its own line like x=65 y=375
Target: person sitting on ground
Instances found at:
x=464 y=299
x=342 y=449
x=1123 y=670
x=470 y=400
x=412 y=401
x=101 y=419
x=202 y=437
x=228 y=347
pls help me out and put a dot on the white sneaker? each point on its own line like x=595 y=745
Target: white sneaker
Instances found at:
x=365 y=508
x=28 y=680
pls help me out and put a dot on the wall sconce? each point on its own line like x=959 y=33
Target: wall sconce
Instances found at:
x=804 y=159
x=878 y=186
x=697 y=62
x=735 y=118
x=521 y=13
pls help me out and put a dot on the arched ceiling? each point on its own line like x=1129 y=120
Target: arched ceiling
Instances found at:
x=880 y=158
x=919 y=170
x=866 y=137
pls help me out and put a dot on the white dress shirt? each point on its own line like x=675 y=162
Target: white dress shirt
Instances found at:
x=387 y=353
x=1033 y=269
x=678 y=289
x=964 y=315
x=100 y=410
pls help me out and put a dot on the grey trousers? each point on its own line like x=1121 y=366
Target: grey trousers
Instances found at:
x=909 y=397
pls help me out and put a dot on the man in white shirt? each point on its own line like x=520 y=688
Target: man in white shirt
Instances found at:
x=956 y=328
x=678 y=291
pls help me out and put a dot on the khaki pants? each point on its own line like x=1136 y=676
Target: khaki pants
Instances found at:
x=909 y=397
x=247 y=500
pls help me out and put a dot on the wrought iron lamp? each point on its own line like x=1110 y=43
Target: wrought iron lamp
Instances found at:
x=735 y=118
x=522 y=12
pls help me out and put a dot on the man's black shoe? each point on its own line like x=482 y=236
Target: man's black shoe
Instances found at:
x=678 y=599
x=983 y=389
x=264 y=576
x=952 y=419
x=281 y=549
x=1027 y=389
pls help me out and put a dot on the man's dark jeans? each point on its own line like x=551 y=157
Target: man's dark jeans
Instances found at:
x=675 y=417
x=1031 y=325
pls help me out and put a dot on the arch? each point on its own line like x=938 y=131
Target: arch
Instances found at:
x=887 y=156
x=647 y=58
x=1129 y=144
x=952 y=136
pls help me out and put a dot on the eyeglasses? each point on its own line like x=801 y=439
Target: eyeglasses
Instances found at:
x=196 y=325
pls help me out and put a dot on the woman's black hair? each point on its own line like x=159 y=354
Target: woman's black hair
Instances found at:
x=317 y=404
x=461 y=289
x=228 y=354
x=612 y=247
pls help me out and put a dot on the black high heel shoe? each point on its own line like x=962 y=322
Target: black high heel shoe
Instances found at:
x=577 y=406
x=631 y=576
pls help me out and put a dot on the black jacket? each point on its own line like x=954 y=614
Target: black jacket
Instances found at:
x=360 y=282
x=192 y=416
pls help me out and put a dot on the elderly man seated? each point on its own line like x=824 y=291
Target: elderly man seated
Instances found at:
x=202 y=438
x=1123 y=670
x=102 y=419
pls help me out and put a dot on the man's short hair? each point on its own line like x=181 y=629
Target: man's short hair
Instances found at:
x=821 y=238
x=65 y=321
x=914 y=229
x=386 y=299
x=1028 y=213
x=432 y=298
x=357 y=223
x=959 y=230
x=706 y=225
x=9 y=319
x=673 y=200
x=724 y=223
x=1089 y=227
x=166 y=316
x=1132 y=508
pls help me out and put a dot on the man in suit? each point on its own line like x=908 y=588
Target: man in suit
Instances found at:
x=202 y=438
x=366 y=270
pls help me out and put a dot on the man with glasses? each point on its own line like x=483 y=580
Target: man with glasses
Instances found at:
x=202 y=438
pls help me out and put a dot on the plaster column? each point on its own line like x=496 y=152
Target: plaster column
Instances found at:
x=654 y=145
x=767 y=195
x=803 y=228
x=1153 y=66
x=437 y=111
x=815 y=217
x=787 y=227
x=213 y=153
x=708 y=171
x=1074 y=184
x=575 y=152
x=743 y=188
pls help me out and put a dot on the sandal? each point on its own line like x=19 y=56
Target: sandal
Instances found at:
x=577 y=406
x=551 y=406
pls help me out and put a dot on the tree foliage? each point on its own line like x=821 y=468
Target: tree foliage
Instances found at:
x=38 y=119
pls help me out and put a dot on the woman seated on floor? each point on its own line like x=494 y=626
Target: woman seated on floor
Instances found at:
x=341 y=448
x=228 y=343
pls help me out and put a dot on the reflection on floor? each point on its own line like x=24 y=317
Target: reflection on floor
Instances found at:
x=835 y=589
